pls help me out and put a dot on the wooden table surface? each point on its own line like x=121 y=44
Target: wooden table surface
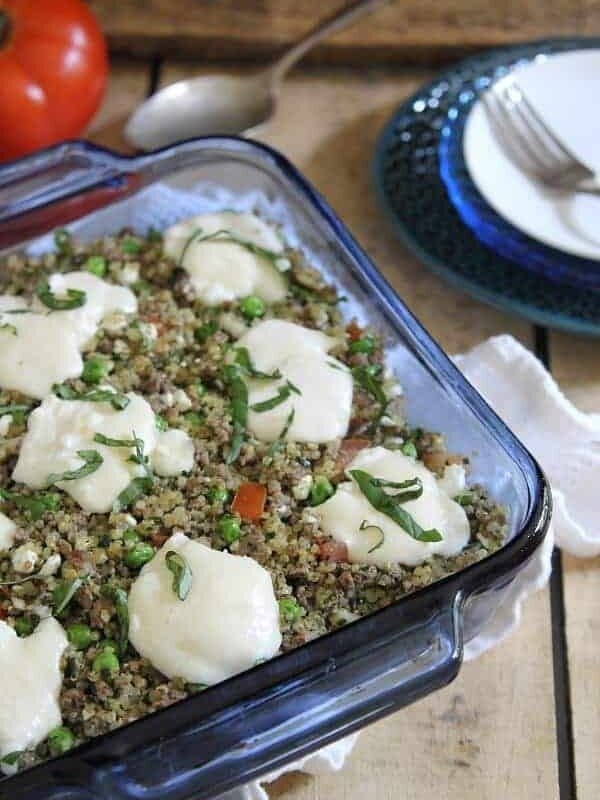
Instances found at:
x=522 y=721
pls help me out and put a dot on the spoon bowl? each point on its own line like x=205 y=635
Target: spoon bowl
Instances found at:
x=203 y=106
x=226 y=104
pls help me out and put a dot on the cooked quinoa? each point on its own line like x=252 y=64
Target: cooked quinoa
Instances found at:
x=173 y=353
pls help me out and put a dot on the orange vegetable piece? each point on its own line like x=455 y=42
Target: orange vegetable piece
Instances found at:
x=249 y=501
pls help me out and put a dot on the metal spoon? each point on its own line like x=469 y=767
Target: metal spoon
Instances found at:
x=226 y=104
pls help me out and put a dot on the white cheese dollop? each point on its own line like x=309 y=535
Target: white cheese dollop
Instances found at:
x=174 y=453
x=102 y=299
x=39 y=348
x=221 y=270
x=342 y=515
x=322 y=409
x=227 y=623
x=7 y=532
x=57 y=429
x=44 y=350
x=31 y=681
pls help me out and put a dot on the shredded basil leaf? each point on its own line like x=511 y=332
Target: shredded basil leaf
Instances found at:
x=139 y=486
x=119 y=598
x=74 y=298
x=367 y=377
x=64 y=593
x=242 y=358
x=117 y=400
x=100 y=438
x=277 y=445
x=366 y=525
x=62 y=241
x=14 y=409
x=132 y=492
x=6 y=326
x=390 y=505
x=280 y=262
x=10 y=759
x=35 y=505
x=283 y=393
x=92 y=462
x=238 y=396
x=182 y=573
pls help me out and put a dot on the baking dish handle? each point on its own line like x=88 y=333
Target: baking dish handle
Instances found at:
x=265 y=732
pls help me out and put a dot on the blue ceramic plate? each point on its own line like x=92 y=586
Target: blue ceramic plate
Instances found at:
x=424 y=186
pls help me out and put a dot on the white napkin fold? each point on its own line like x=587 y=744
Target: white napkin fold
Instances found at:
x=566 y=443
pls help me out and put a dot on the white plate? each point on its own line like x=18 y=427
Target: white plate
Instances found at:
x=565 y=89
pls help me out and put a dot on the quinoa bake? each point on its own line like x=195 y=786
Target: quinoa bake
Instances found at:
x=204 y=463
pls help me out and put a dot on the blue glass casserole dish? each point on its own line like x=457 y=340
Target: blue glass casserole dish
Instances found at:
x=285 y=708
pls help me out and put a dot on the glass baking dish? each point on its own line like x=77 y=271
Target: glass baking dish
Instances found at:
x=285 y=708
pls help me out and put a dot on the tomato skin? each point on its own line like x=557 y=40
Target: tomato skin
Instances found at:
x=53 y=70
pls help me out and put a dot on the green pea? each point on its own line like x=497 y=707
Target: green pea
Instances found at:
x=60 y=740
x=289 y=609
x=465 y=499
x=409 y=449
x=320 y=491
x=23 y=626
x=106 y=661
x=200 y=389
x=218 y=494
x=364 y=345
x=130 y=245
x=95 y=369
x=229 y=528
x=96 y=265
x=138 y=555
x=202 y=333
x=130 y=537
x=80 y=635
x=252 y=307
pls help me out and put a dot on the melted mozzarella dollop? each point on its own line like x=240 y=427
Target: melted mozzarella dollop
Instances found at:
x=222 y=270
x=342 y=515
x=31 y=682
x=42 y=347
x=57 y=429
x=322 y=409
x=227 y=623
x=102 y=299
x=7 y=532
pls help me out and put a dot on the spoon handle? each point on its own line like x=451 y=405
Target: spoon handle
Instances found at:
x=332 y=24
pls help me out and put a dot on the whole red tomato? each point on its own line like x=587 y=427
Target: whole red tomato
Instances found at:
x=53 y=69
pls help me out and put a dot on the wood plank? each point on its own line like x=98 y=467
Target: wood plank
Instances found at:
x=127 y=86
x=491 y=733
x=576 y=367
x=406 y=30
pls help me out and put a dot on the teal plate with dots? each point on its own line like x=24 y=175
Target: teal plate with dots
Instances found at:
x=411 y=167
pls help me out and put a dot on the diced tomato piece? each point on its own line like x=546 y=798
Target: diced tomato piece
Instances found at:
x=249 y=501
x=331 y=550
x=354 y=331
x=348 y=450
x=3 y=613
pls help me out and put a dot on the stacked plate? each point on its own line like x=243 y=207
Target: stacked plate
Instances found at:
x=467 y=209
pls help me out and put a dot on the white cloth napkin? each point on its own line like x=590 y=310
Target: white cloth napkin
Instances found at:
x=566 y=443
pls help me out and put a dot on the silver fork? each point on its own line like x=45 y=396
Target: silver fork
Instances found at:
x=532 y=144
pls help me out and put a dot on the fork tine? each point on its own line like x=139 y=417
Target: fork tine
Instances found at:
x=511 y=136
x=549 y=161
x=551 y=135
